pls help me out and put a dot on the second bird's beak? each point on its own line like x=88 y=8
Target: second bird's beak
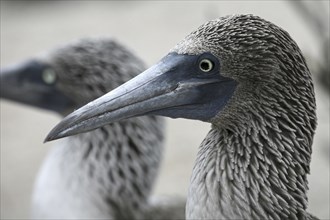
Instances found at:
x=174 y=87
x=33 y=83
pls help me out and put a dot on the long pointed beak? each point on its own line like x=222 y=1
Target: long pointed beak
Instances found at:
x=24 y=83
x=174 y=87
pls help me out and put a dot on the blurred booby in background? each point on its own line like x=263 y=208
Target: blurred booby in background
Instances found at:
x=108 y=173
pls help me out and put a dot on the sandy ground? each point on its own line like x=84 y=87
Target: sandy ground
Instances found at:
x=150 y=29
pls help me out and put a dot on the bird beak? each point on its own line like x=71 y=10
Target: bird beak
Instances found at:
x=25 y=83
x=174 y=87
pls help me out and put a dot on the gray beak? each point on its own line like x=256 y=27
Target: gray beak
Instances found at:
x=175 y=87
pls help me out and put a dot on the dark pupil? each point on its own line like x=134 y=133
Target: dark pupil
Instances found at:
x=205 y=66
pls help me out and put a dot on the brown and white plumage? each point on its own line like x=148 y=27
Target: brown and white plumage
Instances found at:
x=248 y=78
x=262 y=138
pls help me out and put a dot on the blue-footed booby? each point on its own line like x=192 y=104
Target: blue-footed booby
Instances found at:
x=248 y=78
x=108 y=173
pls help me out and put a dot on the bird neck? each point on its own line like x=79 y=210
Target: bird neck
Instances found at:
x=115 y=166
x=255 y=172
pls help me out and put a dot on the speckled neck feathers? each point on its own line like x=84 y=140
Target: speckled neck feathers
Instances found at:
x=121 y=170
x=256 y=175
x=102 y=174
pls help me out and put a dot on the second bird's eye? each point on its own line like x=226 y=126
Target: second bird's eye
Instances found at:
x=49 y=76
x=206 y=65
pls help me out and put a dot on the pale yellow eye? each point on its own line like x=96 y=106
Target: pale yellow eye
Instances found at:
x=206 y=65
x=49 y=76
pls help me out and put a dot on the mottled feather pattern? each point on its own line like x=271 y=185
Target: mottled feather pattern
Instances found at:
x=108 y=172
x=259 y=149
x=115 y=170
x=254 y=162
x=83 y=67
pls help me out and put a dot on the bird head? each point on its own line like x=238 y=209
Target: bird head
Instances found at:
x=221 y=73
x=71 y=75
x=268 y=67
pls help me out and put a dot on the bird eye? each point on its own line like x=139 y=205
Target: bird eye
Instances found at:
x=49 y=76
x=206 y=65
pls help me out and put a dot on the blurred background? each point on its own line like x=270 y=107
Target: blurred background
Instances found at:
x=150 y=29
